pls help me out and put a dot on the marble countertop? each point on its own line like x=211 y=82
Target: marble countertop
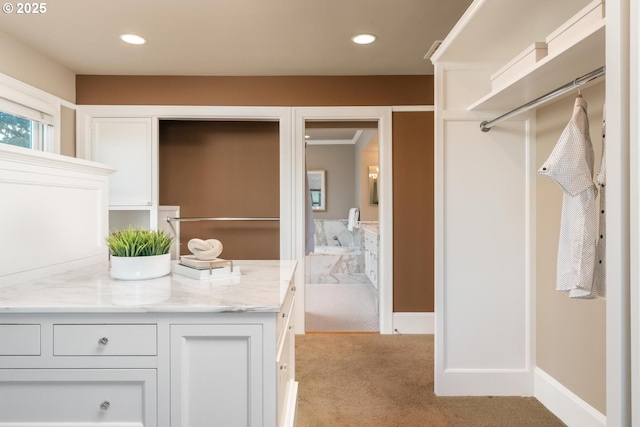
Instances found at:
x=261 y=287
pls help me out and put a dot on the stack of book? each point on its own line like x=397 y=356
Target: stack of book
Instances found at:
x=192 y=267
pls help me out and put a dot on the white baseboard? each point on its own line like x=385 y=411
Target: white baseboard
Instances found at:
x=413 y=323
x=571 y=409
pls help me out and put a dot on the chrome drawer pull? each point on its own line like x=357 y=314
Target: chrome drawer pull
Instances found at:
x=105 y=405
x=103 y=341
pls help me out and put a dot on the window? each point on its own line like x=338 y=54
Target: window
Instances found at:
x=28 y=116
x=22 y=132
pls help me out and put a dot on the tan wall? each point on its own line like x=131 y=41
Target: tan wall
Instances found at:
x=67 y=132
x=338 y=162
x=413 y=212
x=412 y=141
x=25 y=64
x=223 y=169
x=570 y=342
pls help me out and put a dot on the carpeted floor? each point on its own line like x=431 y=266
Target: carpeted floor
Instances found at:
x=341 y=307
x=372 y=380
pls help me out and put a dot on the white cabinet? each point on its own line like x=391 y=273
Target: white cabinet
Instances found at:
x=126 y=144
x=129 y=144
x=371 y=256
x=151 y=369
x=216 y=374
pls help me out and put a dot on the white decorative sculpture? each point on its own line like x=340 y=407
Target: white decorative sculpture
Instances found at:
x=205 y=250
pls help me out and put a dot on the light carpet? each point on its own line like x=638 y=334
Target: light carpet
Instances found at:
x=338 y=307
x=372 y=380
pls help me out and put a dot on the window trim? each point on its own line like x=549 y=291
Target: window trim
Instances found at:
x=21 y=99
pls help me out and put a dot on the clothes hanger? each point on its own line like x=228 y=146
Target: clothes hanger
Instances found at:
x=575 y=82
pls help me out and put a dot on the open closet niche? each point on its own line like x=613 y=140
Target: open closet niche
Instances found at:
x=221 y=174
x=502 y=328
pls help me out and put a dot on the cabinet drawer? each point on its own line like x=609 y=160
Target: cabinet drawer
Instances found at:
x=19 y=340
x=87 y=396
x=104 y=340
x=287 y=311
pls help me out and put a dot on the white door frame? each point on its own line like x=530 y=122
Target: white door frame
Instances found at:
x=385 y=216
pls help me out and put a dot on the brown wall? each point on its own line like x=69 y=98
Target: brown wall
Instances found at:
x=223 y=169
x=412 y=140
x=413 y=214
x=272 y=91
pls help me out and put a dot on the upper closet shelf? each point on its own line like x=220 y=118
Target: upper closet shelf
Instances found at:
x=580 y=55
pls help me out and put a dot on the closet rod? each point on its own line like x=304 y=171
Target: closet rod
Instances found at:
x=488 y=124
x=198 y=218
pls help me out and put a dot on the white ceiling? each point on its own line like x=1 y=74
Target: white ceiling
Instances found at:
x=237 y=37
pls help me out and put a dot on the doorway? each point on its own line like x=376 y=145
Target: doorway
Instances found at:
x=381 y=118
x=341 y=272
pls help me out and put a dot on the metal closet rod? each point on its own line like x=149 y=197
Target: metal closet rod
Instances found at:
x=488 y=124
x=203 y=218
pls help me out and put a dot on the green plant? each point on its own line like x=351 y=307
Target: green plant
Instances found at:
x=134 y=242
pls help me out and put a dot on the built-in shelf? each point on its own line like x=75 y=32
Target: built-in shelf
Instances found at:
x=584 y=55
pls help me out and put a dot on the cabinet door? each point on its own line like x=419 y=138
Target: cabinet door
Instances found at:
x=126 y=144
x=216 y=375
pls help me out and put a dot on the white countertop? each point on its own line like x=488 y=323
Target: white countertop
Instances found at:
x=371 y=228
x=261 y=287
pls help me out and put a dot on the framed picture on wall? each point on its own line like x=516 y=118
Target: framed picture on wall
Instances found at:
x=317 y=188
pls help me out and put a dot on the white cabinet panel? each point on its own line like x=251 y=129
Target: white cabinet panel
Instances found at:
x=216 y=375
x=58 y=397
x=19 y=340
x=104 y=340
x=371 y=256
x=485 y=252
x=126 y=144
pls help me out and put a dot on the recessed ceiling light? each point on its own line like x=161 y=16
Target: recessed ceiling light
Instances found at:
x=307 y=137
x=364 y=38
x=132 y=39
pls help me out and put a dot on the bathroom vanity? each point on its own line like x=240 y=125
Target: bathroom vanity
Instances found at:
x=371 y=252
x=80 y=348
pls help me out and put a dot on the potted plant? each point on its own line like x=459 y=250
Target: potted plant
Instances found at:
x=138 y=254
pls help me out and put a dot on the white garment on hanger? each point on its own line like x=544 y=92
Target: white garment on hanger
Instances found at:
x=570 y=165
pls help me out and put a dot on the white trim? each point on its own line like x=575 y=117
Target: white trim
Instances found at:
x=618 y=331
x=414 y=323
x=385 y=254
x=486 y=382
x=43 y=159
x=290 y=412
x=412 y=108
x=67 y=104
x=635 y=211
x=571 y=409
